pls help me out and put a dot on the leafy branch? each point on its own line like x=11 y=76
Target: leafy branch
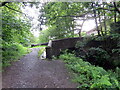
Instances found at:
x=14 y=9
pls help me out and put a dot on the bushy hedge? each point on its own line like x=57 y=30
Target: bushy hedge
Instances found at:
x=90 y=76
x=98 y=56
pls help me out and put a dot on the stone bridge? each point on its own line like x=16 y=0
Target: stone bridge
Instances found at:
x=56 y=46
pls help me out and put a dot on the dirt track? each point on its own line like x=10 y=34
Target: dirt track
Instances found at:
x=30 y=72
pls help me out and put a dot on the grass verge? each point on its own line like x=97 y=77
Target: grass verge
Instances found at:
x=13 y=52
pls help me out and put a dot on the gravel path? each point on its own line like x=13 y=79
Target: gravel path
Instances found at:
x=30 y=72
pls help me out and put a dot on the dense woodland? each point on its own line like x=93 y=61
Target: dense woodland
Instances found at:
x=95 y=60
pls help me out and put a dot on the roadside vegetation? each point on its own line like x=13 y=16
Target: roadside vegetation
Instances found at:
x=16 y=35
x=95 y=60
x=90 y=76
x=12 y=52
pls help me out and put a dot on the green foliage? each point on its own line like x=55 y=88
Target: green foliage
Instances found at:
x=12 y=52
x=116 y=51
x=85 y=41
x=15 y=33
x=104 y=82
x=59 y=26
x=115 y=27
x=100 y=50
x=45 y=35
x=116 y=57
x=98 y=56
x=15 y=27
x=89 y=76
x=60 y=16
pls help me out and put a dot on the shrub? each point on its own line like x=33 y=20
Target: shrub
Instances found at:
x=102 y=51
x=97 y=56
x=116 y=57
x=90 y=76
x=115 y=27
x=85 y=41
x=83 y=46
x=12 y=52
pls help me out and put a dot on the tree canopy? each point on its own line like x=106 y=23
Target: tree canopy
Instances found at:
x=15 y=32
x=60 y=17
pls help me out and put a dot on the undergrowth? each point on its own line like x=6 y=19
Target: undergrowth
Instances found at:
x=12 y=52
x=90 y=76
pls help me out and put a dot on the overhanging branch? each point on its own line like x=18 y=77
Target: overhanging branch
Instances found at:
x=15 y=10
x=82 y=15
x=3 y=4
x=72 y=16
x=116 y=9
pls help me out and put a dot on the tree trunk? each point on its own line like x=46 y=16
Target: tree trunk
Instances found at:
x=114 y=13
x=81 y=28
x=100 y=23
x=116 y=9
x=104 y=21
x=94 y=11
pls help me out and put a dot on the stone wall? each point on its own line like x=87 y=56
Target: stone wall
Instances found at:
x=61 y=44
